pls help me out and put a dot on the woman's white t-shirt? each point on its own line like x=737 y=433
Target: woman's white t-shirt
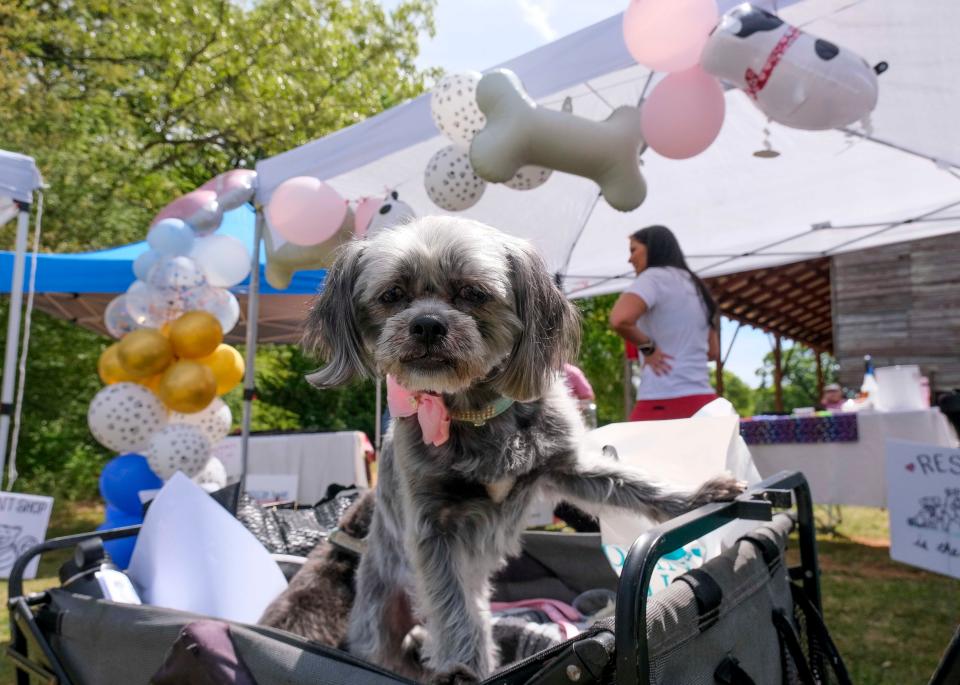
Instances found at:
x=676 y=319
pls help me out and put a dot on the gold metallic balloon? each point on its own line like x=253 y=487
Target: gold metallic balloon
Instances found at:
x=144 y=352
x=195 y=334
x=187 y=387
x=109 y=367
x=227 y=366
x=151 y=382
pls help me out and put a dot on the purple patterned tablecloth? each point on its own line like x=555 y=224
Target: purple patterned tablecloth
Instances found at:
x=774 y=430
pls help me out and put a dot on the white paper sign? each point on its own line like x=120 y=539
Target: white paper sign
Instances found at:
x=272 y=487
x=194 y=556
x=23 y=524
x=923 y=495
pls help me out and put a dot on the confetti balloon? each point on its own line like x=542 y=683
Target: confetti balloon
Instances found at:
x=177 y=447
x=117 y=318
x=222 y=304
x=123 y=416
x=451 y=182
x=214 y=420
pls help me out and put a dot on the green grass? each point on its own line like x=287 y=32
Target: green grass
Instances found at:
x=891 y=622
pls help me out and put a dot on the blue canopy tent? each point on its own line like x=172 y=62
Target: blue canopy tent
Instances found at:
x=78 y=286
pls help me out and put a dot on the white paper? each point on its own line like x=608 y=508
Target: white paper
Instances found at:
x=923 y=495
x=192 y=555
x=683 y=453
x=23 y=524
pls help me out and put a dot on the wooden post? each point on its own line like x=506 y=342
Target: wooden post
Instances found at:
x=778 y=374
x=719 y=364
x=819 y=374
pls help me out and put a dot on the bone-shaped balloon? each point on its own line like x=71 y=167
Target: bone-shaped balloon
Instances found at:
x=288 y=258
x=518 y=133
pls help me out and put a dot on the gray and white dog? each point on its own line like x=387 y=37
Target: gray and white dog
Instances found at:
x=453 y=308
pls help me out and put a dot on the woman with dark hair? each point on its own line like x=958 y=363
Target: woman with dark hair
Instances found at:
x=669 y=314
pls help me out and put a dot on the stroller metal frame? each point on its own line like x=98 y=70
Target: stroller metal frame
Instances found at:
x=630 y=638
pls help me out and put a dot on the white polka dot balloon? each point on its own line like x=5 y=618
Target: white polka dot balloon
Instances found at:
x=453 y=104
x=529 y=177
x=450 y=181
x=214 y=421
x=213 y=476
x=178 y=447
x=123 y=417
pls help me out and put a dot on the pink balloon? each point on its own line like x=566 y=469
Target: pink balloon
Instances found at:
x=683 y=114
x=362 y=216
x=306 y=211
x=185 y=206
x=668 y=35
x=231 y=180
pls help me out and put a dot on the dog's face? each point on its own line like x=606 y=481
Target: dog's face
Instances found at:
x=440 y=304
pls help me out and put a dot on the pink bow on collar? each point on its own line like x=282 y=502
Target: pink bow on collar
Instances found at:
x=430 y=409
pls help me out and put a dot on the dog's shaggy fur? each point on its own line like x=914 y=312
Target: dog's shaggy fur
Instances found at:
x=317 y=602
x=447 y=517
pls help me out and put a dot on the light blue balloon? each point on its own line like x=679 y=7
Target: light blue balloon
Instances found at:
x=171 y=237
x=143 y=263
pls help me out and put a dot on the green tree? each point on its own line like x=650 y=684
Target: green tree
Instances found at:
x=740 y=394
x=126 y=105
x=601 y=357
x=799 y=366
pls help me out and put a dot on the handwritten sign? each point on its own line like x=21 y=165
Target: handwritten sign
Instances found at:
x=923 y=494
x=23 y=524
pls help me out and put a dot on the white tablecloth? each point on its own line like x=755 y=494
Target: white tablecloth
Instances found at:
x=853 y=472
x=318 y=459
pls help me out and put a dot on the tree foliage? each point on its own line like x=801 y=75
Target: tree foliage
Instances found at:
x=126 y=105
x=601 y=357
x=799 y=366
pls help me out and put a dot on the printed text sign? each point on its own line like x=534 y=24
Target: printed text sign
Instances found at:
x=23 y=524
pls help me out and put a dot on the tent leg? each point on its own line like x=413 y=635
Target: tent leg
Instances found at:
x=13 y=331
x=778 y=374
x=253 y=315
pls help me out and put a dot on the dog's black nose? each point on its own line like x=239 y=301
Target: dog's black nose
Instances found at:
x=427 y=329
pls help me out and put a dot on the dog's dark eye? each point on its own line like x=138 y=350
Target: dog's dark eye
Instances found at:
x=394 y=294
x=473 y=294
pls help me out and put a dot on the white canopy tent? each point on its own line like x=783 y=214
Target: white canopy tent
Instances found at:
x=19 y=179
x=828 y=192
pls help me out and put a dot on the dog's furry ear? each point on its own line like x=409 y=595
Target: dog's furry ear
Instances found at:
x=333 y=328
x=550 y=332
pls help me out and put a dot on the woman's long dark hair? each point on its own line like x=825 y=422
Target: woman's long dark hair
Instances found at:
x=664 y=250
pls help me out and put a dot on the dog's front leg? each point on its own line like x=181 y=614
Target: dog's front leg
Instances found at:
x=608 y=483
x=451 y=584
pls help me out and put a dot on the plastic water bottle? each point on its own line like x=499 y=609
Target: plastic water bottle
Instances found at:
x=870 y=389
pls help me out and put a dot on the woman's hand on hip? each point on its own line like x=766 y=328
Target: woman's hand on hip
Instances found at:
x=659 y=362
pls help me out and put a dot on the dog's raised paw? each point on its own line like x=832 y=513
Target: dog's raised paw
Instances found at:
x=720 y=489
x=458 y=674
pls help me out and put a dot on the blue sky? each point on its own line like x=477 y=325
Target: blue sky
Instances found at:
x=477 y=34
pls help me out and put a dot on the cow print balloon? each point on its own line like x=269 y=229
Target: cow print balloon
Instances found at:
x=450 y=181
x=453 y=105
x=178 y=447
x=529 y=177
x=123 y=417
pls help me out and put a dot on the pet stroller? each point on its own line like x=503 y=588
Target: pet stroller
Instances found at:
x=741 y=618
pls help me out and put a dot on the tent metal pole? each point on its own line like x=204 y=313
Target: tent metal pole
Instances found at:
x=13 y=331
x=253 y=314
